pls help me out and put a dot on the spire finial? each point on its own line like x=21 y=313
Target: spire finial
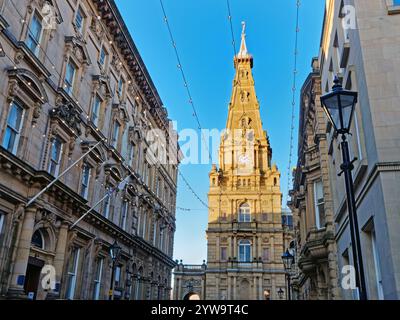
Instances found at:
x=243 y=48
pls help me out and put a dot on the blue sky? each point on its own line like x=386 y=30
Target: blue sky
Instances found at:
x=202 y=34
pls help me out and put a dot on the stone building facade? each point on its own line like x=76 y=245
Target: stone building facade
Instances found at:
x=72 y=79
x=316 y=276
x=360 y=44
x=245 y=232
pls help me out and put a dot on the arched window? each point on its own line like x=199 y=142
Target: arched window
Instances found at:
x=244 y=251
x=38 y=240
x=244 y=213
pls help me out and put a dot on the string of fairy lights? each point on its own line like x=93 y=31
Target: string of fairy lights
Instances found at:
x=76 y=100
x=294 y=92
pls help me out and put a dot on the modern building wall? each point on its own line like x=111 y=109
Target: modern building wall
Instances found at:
x=68 y=84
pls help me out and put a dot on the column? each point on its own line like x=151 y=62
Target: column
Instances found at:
x=235 y=247
x=179 y=284
x=59 y=256
x=230 y=247
x=259 y=241
x=261 y=290
x=254 y=248
x=255 y=285
x=229 y=289
x=272 y=240
x=234 y=288
x=22 y=256
x=274 y=289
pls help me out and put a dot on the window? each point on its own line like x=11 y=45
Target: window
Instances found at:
x=132 y=155
x=161 y=245
x=124 y=214
x=13 y=128
x=72 y=273
x=121 y=85
x=97 y=279
x=34 y=34
x=70 y=77
x=1 y=221
x=224 y=255
x=244 y=251
x=102 y=57
x=265 y=254
x=115 y=135
x=86 y=173
x=79 y=20
x=144 y=225
x=96 y=110
x=106 y=210
x=55 y=157
x=378 y=273
x=37 y=240
x=244 y=213
x=319 y=205
x=117 y=278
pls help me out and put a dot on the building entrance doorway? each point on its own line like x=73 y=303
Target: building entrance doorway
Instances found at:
x=32 y=277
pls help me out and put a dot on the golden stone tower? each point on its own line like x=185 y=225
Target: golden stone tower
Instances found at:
x=245 y=235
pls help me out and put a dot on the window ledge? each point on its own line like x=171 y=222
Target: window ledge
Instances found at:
x=394 y=9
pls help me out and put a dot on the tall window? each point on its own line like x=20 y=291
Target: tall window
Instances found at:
x=97 y=279
x=244 y=213
x=124 y=214
x=103 y=56
x=378 y=274
x=132 y=155
x=106 y=210
x=115 y=135
x=121 y=85
x=34 y=34
x=13 y=128
x=244 y=251
x=86 y=173
x=1 y=221
x=55 y=157
x=70 y=77
x=319 y=205
x=96 y=110
x=79 y=20
x=224 y=255
x=117 y=281
x=72 y=273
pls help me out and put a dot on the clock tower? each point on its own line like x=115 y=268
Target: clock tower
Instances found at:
x=245 y=234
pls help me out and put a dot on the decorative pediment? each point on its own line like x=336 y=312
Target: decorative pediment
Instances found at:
x=69 y=115
x=77 y=48
x=98 y=154
x=121 y=112
x=102 y=86
x=49 y=10
x=28 y=81
x=97 y=28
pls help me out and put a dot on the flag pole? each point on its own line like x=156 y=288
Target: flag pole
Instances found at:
x=122 y=183
x=62 y=174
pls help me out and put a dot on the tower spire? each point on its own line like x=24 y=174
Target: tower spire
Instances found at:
x=243 y=53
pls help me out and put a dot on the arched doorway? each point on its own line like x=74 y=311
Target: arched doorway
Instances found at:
x=192 y=296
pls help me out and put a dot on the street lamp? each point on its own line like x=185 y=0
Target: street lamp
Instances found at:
x=280 y=293
x=288 y=260
x=339 y=106
x=115 y=251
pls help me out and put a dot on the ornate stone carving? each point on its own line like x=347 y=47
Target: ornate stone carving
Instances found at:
x=97 y=28
x=69 y=115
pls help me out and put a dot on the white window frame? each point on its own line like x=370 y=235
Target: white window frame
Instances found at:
x=245 y=213
x=85 y=181
x=316 y=204
x=103 y=56
x=378 y=274
x=70 y=83
x=107 y=206
x=97 y=279
x=16 y=131
x=56 y=162
x=31 y=39
x=124 y=214
x=96 y=110
x=72 y=285
x=80 y=12
x=115 y=134
x=246 y=245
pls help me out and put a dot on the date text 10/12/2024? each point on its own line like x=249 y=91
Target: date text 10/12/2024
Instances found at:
x=201 y=310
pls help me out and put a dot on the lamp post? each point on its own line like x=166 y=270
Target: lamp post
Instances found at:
x=280 y=293
x=339 y=106
x=115 y=251
x=288 y=260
